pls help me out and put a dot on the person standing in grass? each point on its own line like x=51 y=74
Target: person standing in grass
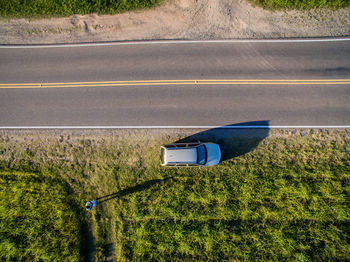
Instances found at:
x=90 y=204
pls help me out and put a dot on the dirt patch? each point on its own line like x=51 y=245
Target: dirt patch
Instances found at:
x=180 y=19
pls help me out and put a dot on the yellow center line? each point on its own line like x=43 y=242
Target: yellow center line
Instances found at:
x=182 y=82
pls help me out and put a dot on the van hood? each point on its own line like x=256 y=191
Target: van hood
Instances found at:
x=214 y=154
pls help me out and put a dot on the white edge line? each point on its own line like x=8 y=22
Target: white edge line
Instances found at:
x=152 y=42
x=165 y=127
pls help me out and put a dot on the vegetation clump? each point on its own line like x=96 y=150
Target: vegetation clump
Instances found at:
x=38 y=220
x=47 y=8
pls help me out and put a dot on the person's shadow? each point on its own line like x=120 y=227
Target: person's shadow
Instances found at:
x=138 y=188
x=235 y=139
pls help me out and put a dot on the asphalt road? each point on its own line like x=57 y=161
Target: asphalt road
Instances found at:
x=173 y=102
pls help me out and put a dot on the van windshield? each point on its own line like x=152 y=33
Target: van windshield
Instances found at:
x=201 y=155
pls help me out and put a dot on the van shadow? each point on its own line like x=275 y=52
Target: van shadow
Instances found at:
x=235 y=139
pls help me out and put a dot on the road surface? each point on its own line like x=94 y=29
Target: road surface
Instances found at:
x=177 y=84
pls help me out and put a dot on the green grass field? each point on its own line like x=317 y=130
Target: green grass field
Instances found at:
x=277 y=196
x=301 y=4
x=48 y=8
x=39 y=220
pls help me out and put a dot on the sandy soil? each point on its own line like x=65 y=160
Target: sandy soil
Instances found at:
x=180 y=19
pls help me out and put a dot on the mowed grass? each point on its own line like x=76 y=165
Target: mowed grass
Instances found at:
x=48 y=8
x=286 y=198
x=301 y=4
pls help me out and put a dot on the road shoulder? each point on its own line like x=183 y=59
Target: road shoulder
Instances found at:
x=183 y=19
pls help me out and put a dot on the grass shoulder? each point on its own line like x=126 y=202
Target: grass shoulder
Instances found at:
x=280 y=196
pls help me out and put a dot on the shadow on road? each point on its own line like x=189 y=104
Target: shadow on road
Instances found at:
x=234 y=140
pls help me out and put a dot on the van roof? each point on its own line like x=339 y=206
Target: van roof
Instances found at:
x=183 y=155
